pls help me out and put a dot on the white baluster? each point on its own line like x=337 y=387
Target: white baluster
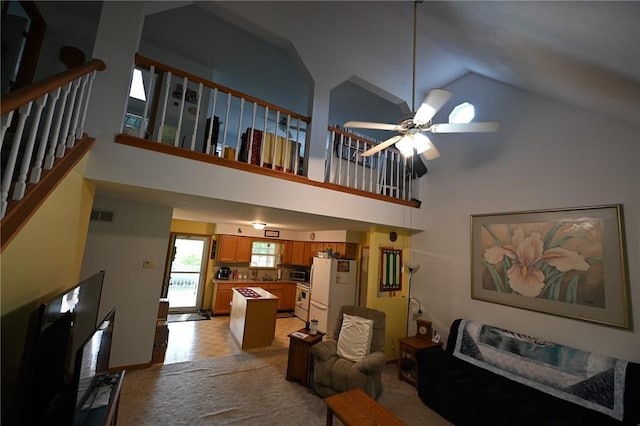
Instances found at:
x=71 y=138
x=213 y=115
x=176 y=141
x=67 y=119
x=226 y=123
x=167 y=87
x=24 y=112
x=150 y=85
x=48 y=164
x=195 y=126
x=36 y=171
x=87 y=97
x=6 y=122
x=21 y=183
x=240 y=128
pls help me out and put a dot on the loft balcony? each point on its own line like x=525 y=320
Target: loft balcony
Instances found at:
x=184 y=116
x=209 y=122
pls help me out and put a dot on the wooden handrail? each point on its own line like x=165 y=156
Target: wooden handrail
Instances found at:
x=355 y=137
x=142 y=60
x=21 y=96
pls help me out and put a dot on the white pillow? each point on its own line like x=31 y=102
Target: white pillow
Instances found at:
x=355 y=337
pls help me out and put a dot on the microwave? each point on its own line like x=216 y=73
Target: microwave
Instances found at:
x=301 y=276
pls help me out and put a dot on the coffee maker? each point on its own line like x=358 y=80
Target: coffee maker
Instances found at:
x=223 y=273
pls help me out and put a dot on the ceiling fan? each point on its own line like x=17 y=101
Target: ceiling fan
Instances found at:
x=411 y=128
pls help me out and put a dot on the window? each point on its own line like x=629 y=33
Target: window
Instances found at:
x=462 y=113
x=137 y=86
x=264 y=254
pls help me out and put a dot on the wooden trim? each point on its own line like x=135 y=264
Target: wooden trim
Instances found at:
x=19 y=212
x=130 y=367
x=19 y=97
x=33 y=45
x=141 y=60
x=219 y=161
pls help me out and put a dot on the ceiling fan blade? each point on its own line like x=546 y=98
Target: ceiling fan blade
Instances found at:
x=432 y=153
x=486 y=127
x=431 y=104
x=381 y=146
x=374 y=126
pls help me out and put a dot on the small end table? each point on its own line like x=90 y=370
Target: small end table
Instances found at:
x=299 y=362
x=407 y=365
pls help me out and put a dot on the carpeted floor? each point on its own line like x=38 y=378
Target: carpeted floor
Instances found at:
x=244 y=389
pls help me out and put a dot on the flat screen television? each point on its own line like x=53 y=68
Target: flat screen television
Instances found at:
x=92 y=365
x=57 y=328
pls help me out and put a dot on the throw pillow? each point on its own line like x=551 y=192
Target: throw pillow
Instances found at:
x=355 y=337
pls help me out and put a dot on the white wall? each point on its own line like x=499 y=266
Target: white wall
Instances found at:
x=138 y=233
x=546 y=156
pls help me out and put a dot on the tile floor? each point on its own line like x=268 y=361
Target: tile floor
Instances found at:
x=191 y=340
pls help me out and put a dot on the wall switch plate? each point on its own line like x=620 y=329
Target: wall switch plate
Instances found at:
x=148 y=264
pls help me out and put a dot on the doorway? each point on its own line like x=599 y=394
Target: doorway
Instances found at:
x=185 y=283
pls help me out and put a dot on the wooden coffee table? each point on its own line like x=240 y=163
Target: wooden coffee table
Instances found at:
x=354 y=407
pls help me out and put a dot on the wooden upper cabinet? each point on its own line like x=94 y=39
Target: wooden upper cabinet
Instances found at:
x=243 y=252
x=299 y=255
x=286 y=255
x=234 y=249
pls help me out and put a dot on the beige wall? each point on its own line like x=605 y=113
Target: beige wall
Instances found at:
x=43 y=259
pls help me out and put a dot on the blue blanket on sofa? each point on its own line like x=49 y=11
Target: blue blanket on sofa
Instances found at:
x=585 y=378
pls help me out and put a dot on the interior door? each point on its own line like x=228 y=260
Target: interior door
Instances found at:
x=187 y=273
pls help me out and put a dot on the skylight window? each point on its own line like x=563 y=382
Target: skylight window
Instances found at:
x=462 y=113
x=137 y=86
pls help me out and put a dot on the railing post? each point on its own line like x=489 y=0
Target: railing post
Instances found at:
x=21 y=182
x=24 y=112
x=36 y=171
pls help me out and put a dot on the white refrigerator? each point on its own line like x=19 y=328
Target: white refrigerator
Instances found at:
x=333 y=285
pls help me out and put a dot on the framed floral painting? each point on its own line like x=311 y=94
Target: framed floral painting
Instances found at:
x=567 y=262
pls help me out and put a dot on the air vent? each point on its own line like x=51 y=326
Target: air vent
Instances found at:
x=102 y=215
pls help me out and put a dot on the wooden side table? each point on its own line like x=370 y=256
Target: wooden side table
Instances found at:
x=299 y=362
x=407 y=365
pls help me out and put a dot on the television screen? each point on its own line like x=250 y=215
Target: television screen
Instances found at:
x=92 y=359
x=83 y=300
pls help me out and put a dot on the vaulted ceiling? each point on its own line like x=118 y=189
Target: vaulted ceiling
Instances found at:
x=585 y=54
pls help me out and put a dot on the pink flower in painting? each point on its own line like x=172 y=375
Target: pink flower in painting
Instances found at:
x=527 y=254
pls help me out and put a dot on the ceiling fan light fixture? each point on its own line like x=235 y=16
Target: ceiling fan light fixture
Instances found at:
x=405 y=145
x=421 y=143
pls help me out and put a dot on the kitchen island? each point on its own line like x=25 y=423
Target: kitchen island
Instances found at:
x=284 y=290
x=253 y=317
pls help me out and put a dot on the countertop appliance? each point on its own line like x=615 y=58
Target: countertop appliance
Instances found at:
x=299 y=276
x=333 y=285
x=303 y=297
x=223 y=273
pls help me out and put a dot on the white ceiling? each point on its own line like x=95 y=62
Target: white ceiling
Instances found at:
x=582 y=53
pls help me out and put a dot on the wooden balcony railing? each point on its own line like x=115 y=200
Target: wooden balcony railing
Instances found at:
x=190 y=112
x=40 y=126
x=181 y=110
x=385 y=172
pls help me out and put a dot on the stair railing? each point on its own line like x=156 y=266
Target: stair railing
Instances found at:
x=39 y=124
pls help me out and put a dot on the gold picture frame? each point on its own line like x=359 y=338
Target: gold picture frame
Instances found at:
x=567 y=262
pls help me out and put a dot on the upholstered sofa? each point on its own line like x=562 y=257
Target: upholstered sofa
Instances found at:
x=491 y=376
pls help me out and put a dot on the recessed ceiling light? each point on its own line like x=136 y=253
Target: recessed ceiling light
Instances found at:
x=258 y=225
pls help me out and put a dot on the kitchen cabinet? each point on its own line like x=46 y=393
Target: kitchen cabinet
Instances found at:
x=299 y=255
x=284 y=290
x=286 y=255
x=233 y=249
